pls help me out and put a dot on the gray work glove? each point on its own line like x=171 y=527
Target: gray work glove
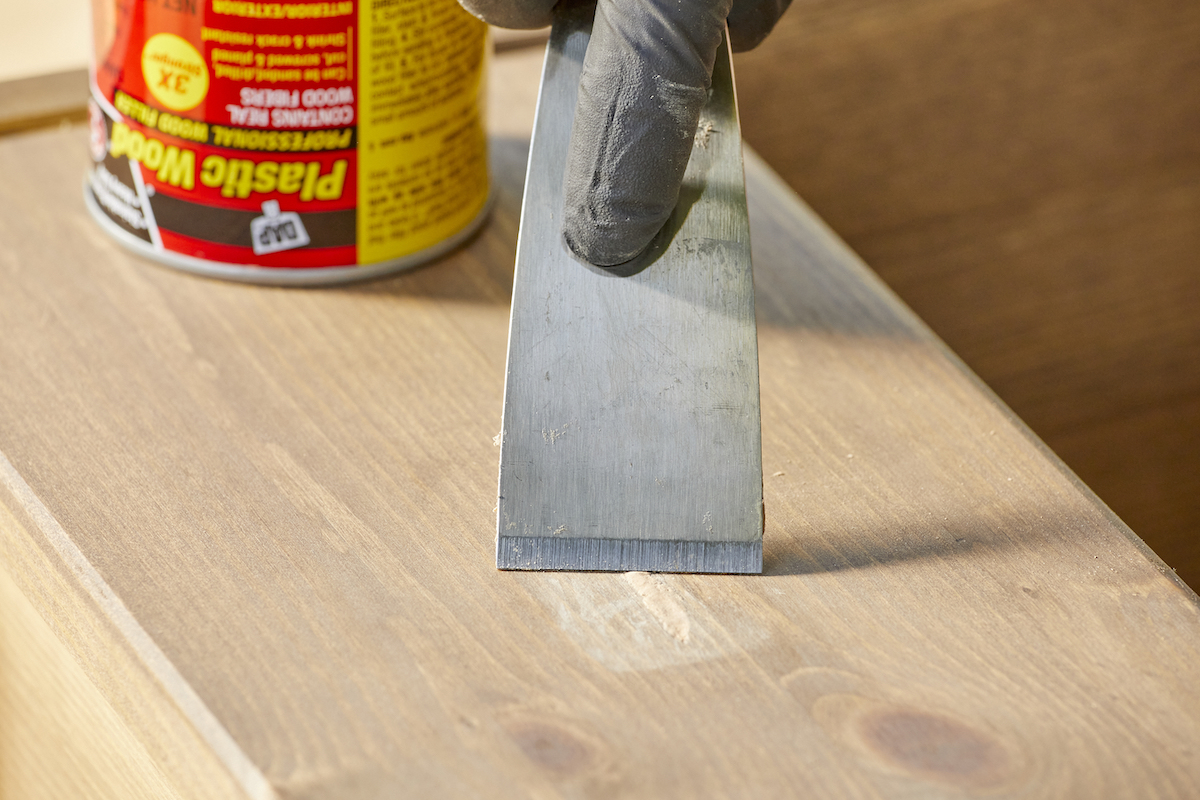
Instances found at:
x=645 y=80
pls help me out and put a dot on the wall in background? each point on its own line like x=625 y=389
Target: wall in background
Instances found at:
x=1027 y=177
x=43 y=37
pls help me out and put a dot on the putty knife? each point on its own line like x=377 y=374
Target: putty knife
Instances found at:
x=631 y=437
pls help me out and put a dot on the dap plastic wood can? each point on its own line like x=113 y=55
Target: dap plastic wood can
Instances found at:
x=288 y=142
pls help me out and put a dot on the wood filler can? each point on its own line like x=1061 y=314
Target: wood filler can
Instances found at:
x=288 y=142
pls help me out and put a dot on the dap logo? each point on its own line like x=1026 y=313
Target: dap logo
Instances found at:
x=275 y=231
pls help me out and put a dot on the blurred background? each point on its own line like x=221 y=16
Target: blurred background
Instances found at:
x=1025 y=175
x=43 y=37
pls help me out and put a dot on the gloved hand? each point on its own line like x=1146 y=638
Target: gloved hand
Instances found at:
x=645 y=80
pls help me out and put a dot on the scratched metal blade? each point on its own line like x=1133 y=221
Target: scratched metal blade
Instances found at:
x=631 y=437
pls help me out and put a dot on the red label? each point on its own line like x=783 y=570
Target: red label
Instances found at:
x=222 y=106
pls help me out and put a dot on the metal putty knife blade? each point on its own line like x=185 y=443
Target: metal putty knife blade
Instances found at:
x=631 y=437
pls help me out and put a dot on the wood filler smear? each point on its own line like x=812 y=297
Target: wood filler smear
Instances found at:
x=662 y=603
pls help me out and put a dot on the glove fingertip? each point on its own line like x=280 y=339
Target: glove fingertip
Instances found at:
x=601 y=245
x=511 y=13
x=751 y=20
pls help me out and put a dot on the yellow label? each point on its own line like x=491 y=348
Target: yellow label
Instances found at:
x=174 y=72
x=422 y=145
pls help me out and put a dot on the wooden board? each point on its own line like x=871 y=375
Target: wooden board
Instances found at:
x=59 y=735
x=261 y=520
x=43 y=100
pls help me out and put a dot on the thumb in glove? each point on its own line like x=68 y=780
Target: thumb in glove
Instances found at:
x=645 y=80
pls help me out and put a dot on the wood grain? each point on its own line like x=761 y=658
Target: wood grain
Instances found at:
x=120 y=687
x=59 y=737
x=291 y=493
x=1027 y=178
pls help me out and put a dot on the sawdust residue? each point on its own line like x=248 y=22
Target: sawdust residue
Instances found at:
x=661 y=602
x=554 y=434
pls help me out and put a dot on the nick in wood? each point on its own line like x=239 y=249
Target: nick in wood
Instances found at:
x=630 y=437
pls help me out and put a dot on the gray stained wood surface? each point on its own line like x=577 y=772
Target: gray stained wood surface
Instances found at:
x=630 y=436
x=260 y=521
